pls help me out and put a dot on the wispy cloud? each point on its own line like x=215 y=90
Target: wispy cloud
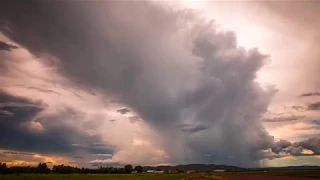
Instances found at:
x=310 y=94
x=43 y=90
x=123 y=110
x=16 y=152
x=7 y=47
x=6 y=113
x=193 y=128
x=314 y=106
x=285 y=118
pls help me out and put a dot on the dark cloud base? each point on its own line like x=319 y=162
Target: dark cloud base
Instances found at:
x=16 y=134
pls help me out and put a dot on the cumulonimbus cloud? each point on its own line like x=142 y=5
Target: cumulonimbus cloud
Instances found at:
x=170 y=67
x=182 y=72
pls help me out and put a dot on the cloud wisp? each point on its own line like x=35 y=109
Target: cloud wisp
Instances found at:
x=7 y=47
x=314 y=106
x=284 y=119
x=310 y=94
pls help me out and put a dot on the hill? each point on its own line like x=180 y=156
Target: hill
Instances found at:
x=196 y=167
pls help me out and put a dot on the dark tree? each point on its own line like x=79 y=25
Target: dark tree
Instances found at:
x=3 y=168
x=43 y=168
x=128 y=168
x=62 y=169
x=139 y=169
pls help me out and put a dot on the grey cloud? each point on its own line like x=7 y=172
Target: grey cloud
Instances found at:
x=123 y=111
x=298 y=108
x=7 y=47
x=22 y=153
x=317 y=122
x=16 y=110
x=18 y=105
x=78 y=157
x=134 y=119
x=5 y=113
x=108 y=155
x=169 y=67
x=90 y=91
x=269 y=155
x=94 y=148
x=101 y=162
x=277 y=147
x=77 y=95
x=295 y=149
x=284 y=119
x=312 y=144
x=41 y=89
x=7 y=100
x=192 y=128
x=314 y=106
x=56 y=138
x=310 y=94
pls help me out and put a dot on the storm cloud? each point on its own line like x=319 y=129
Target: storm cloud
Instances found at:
x=23 y=130
x=312 y=144
x=286 y=148
x=177 y=74
x=192 y=84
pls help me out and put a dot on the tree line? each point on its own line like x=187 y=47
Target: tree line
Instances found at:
x=42 y=168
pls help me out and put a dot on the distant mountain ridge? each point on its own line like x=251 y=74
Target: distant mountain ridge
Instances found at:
x=288 y=168
x=212 y=167
x=196 y=167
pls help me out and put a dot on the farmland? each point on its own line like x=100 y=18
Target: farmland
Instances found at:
x=291 y=173
x=245 y=175
x=265 y=177
x=100 y=177
x=273 y=175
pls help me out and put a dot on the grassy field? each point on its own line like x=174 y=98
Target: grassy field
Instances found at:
x=100 y=177
x=296 y=173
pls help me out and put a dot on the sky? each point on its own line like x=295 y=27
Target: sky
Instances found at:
x=105 y=83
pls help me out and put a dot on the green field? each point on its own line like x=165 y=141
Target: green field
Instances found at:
x=97 y=177
x=299 y=173
x=92 y=177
